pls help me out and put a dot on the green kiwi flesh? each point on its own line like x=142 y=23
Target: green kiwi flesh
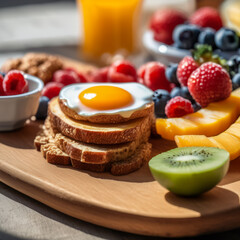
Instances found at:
x=190 y=171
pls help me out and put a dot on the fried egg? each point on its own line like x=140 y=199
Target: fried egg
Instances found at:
x=89 y=99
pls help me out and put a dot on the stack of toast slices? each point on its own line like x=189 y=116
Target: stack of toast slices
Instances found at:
x=118 y=148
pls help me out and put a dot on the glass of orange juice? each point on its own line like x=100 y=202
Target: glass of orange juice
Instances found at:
x=109 y=26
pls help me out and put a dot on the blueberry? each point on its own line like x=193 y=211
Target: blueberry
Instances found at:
x=171 y=74
x=160 y=98
x=42 y=108
x=185 y=36
x=196 y=32
x=175 y=92
x=207 y=36
x=236 y=81
x=234 y=65
x=196 y=107
x=183 y=92
x=186 y=94
x=226 y=39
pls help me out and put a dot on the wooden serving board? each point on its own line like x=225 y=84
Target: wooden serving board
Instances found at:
x=133 y=203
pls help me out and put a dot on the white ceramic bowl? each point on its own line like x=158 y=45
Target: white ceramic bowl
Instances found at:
x=16 y=109
x=169 y=54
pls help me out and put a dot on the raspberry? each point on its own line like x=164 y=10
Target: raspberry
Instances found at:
x=52 y=89
x=207 y=17
x=209 y=83
x=178 y=107
x=153 y=76
x=14 y=83
x=100 y=75
x=185 y=69
x=66 y=77
x=163 y=23
x=1 y=85
x=122 y=71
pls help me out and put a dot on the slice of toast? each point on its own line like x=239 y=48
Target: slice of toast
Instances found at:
x=95 y=132
x=85 y=152
x=55 y=155
x=107 y=118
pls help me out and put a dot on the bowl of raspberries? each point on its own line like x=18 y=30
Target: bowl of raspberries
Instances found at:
x=172 y=35
x=19 y=98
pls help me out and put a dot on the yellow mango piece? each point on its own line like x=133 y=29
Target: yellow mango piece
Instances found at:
x=193 y=141
x=234 y=130
x=230 y=143
x=209 y=121
x=228 y=140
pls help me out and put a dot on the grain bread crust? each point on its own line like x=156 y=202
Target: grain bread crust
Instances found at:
x=107 y=118
x=95 y=132
x=89 y=153
x=55 y=155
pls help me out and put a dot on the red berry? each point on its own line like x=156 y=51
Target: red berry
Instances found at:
x=122 y=71
x=185 y=69
x=209 y=83
x=207 y=17
x=178 y=107
x=52 y=89
x=65 y=77
x=81 y=76
x=1 y=85
x=100 y=75
x=14 y=83
x=153 y=76
x=163 y=23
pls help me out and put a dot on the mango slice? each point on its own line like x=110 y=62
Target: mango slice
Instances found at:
x=228 y=140
x=209 y=121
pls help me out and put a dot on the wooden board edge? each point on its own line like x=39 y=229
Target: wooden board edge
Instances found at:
x=141 y=225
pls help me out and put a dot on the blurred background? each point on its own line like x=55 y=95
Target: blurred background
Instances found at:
x=55 y=26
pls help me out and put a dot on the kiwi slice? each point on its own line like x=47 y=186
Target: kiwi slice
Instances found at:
x=190 y=171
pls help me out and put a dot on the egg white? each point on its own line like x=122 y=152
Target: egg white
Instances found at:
x=141 y=97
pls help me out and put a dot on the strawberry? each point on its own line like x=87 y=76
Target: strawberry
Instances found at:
x=153 y=76
x=163 y=23
x=207 y=17
x=209 y=83
x=185 y=69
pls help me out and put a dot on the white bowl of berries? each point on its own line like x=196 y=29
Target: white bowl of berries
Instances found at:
x=19 y=99
x=172 y=35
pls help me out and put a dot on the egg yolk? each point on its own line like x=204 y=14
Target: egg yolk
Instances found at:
x=105 y=97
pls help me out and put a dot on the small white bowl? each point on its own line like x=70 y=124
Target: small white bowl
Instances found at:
x=16 y=109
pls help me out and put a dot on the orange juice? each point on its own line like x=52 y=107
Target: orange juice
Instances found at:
x=109 y=25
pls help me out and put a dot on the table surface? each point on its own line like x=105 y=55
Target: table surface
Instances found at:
x=20 y=216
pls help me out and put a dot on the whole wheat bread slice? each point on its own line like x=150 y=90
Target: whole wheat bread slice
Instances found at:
x=95 y=132
x=85 y=152
x=142 y=154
